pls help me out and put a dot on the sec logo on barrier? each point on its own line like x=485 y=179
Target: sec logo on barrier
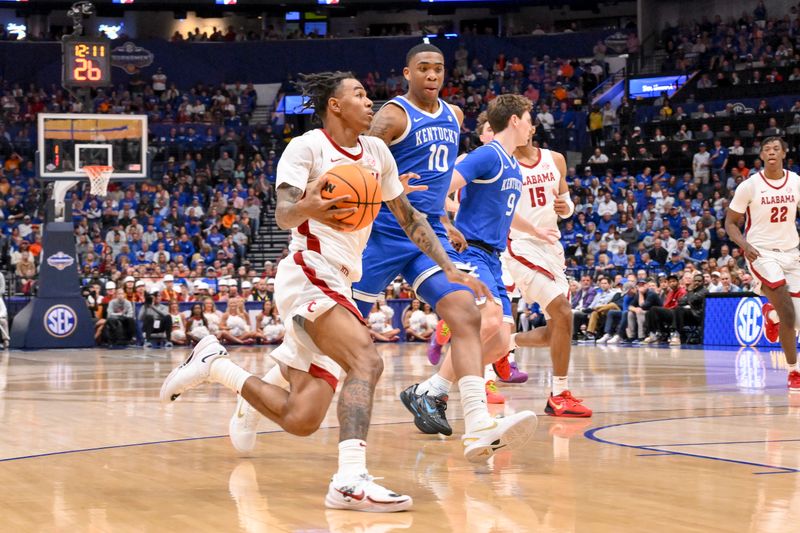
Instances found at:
x=60 y=321
x=748 y=322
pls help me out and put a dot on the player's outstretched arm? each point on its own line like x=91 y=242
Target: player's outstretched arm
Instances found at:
x=416 y=226
x=733 y=221
x=293 y=207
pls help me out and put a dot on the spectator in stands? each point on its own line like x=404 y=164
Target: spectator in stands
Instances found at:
x=659 y=319
x=177 y=334
x=609 y=121
x=120 y=323
x=379 y=324
x=595 y=125
x=416 y=323
x=689 y=311
x=580 y=315
x=610 y=300
x=196 y=324
x=598 y=158
x=646 y=299
x=234 y=324
x=155 y=320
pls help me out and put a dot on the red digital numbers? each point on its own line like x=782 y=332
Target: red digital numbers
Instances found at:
x=85 y=70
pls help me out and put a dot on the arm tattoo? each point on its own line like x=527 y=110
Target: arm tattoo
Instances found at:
x=289 y=193
x=355 y=408
x=287 y=196
x=380 y=128
x=416 y=226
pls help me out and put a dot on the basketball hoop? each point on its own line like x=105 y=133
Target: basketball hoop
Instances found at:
x=99 y=176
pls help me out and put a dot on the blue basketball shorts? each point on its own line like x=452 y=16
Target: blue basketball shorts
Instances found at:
x=390 y=252
x=489 y=270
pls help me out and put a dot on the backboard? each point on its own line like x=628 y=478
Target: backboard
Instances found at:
x=68 y=142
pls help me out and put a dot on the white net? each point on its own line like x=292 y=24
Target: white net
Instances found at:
x=99 y=176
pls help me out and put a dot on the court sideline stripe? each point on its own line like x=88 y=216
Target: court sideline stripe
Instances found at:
x=591 y=434
x=169 y=441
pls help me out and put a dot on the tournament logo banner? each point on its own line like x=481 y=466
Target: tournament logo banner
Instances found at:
x=131 y=58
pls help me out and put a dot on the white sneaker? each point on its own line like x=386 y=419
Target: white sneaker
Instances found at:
x=244 y=426
x=650 y=339
x=675 y=340
x=363 y=494
x=194 y=370
x=506 y=433
x=603 y=339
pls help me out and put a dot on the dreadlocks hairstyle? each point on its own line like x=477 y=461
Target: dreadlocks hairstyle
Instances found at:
x=319 y=88
x=418 y=49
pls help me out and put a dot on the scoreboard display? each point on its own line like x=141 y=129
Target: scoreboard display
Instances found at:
x=87 y=62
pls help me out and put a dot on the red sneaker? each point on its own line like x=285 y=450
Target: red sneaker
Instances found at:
x=502 y=367
x=771 y=328
x=566 y=405
x=442 y=333
x=794 y=381
x=492 y=394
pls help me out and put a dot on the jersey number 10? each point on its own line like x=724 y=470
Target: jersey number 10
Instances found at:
x=438 y=159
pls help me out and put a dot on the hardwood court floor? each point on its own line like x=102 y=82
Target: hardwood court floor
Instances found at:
x=681 y=440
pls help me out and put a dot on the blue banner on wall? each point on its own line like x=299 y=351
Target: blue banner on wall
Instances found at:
x=188 y=63
x=735 y=321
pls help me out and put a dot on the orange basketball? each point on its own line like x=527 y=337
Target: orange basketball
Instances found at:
x=364 y=191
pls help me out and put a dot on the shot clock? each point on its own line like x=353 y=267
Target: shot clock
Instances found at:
x=87 y=62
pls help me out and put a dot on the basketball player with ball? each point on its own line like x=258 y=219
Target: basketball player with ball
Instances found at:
x=324 y=330
x=423 y=131
x=768 y=202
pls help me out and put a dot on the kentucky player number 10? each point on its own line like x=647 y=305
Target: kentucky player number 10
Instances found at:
x=87 y=63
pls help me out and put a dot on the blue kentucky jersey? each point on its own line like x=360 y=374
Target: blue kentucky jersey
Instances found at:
x=428 y=147
x=488 y=201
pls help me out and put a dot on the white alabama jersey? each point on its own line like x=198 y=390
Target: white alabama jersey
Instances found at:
x=308 y=158
x=770 y=208
x=536 y=204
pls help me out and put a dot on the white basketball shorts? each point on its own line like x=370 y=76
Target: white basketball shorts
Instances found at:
x=538 y=272
x=307 y=286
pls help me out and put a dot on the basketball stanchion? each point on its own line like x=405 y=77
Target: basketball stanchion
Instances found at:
x=57 y=317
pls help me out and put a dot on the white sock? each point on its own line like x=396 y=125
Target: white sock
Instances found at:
x=512 y=342
x=512 y=356
x=227 y=373
x=489 y=373
x=435 y=385
x=473 y=402
x=352 y=459
x=559 y=385
x=275 y=377
x=792 y=368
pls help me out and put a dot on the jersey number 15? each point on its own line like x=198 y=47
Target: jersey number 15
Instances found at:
x=538 y=198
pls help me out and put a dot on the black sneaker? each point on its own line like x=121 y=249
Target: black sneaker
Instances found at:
x=428 y=411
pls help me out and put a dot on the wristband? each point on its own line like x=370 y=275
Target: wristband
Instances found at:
x=566 y=198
